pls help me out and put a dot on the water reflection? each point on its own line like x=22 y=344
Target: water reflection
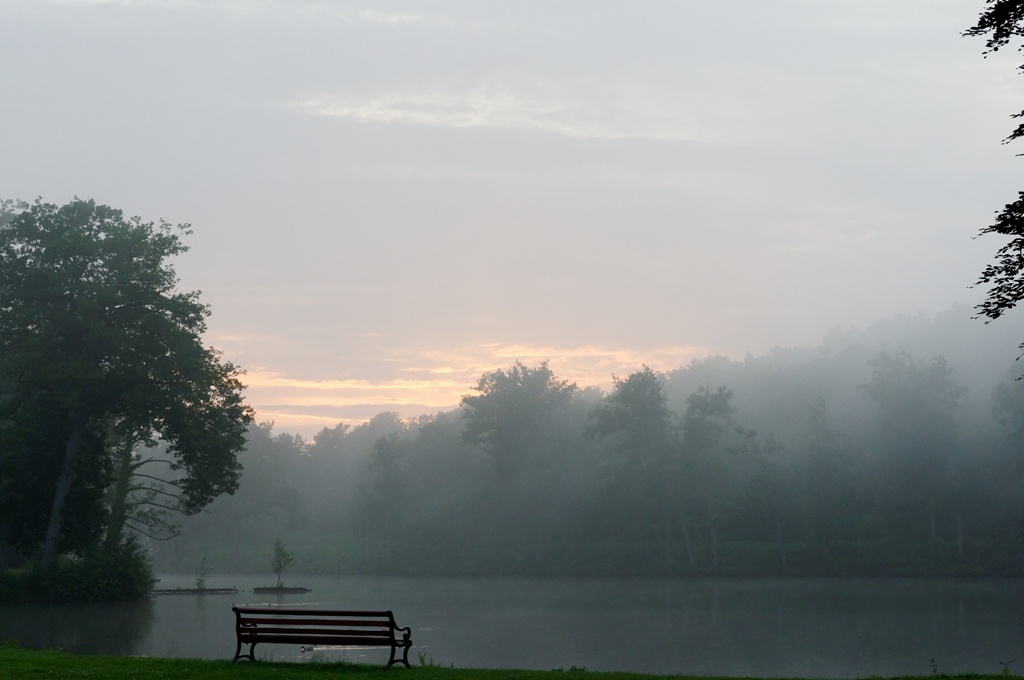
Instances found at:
x=817 y=627
x=79 y=628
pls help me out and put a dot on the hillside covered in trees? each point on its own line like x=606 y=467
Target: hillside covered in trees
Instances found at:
x=895 y=450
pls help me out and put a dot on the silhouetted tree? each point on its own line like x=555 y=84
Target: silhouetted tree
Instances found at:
x=382 y=500
x=516 y=421
x=94 y=338
x=143 y=497
x=280 y=561
x=269 y=502
x=916 y=403
x=707 y=422
x=341 y=455
x=1001 y=22
x=825 y=491
x=645 y=475
x=764 y=500
x=512 y=413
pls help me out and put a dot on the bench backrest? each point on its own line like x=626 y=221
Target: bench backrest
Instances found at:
x=355 y=626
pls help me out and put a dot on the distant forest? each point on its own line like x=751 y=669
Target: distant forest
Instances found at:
x=894 y=450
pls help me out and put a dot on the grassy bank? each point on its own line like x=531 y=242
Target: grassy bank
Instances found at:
x=22 y=663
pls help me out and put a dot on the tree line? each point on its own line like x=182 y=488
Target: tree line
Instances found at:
x=853 y=458
x=892 y=451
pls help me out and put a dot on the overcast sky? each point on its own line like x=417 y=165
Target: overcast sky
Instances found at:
x=390 y=198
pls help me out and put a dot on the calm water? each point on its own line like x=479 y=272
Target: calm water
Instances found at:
x=823 y=628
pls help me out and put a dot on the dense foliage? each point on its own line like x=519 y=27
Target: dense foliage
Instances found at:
x=117 y=574
x=99 y=352
x=999 y=23
x=892 y=451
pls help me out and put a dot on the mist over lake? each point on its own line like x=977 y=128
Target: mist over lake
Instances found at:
x=891 y=451
x=770 y=627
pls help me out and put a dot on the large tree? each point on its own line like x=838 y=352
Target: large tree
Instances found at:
x=648 y=477
x=98 y=345
x=709 y=435
x=917 y=404
x=512 y=414
x=519 y=421
x=1001 y=22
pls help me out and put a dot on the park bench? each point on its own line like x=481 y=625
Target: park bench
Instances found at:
x=326 y=627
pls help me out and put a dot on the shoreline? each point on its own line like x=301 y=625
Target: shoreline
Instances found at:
x=18 y=662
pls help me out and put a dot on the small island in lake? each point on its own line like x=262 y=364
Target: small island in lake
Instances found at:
x=195 y=591
x=281 y=590
x=282 y=558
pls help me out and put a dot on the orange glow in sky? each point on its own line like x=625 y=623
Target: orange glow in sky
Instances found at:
x=305 y=405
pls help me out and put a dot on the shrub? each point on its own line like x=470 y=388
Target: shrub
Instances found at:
x=118 y=574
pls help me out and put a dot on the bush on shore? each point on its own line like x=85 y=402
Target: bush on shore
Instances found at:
x=118 y=574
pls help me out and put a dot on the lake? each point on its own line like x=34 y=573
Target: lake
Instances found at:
x=765 y=627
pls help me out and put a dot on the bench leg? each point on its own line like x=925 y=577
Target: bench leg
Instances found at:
x=239 y=655
x=404 y=659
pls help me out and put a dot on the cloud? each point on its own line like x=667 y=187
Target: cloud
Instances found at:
x=269 y=9
x=160 y=4
x=592 y=365
x=303 y=422
x=589 y=112
x=377 y=17
x=270 y=380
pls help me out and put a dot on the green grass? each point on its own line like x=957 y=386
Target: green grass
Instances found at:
x=22 y=663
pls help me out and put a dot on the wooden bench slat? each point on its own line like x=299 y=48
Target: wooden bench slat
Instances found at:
x=326 y=632
x=319 y=640
x=280 y=611
x=320 y=622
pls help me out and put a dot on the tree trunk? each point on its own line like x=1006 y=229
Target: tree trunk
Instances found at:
x=714 y=545
x=667 y=524
x=959 y=534
x=689 y=544
x=712 y=533
x=781 y=545
x=119 y=497
x=65 y=480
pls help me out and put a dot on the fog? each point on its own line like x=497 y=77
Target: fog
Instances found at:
x=389 y=201
x=886 y=451
x=568 y=315
x=820 y=628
